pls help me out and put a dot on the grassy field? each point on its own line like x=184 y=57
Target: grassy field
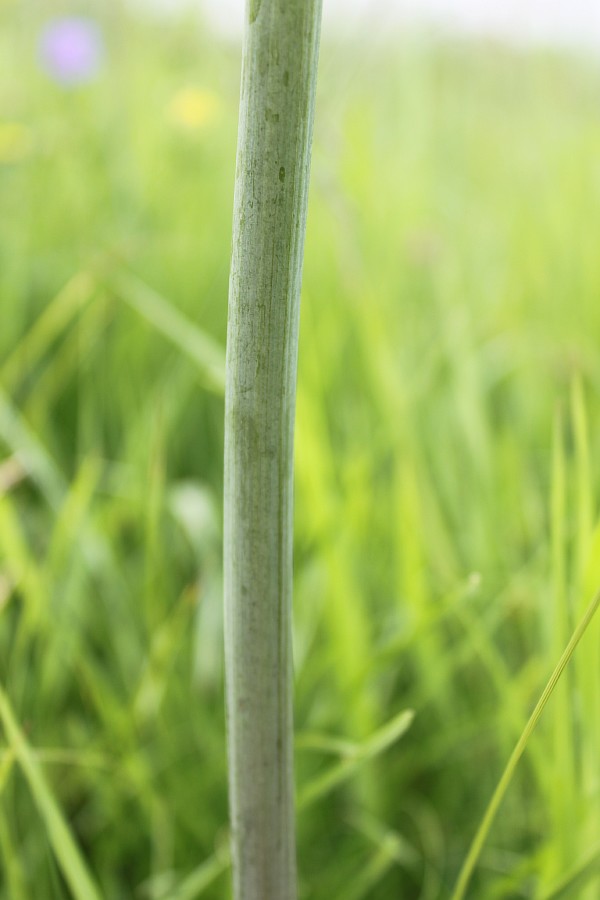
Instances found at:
x=447 y=534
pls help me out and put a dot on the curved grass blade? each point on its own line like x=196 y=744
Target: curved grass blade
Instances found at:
x=31 y=453
x=194 y=885
x=52 y=322
x=342 y=771
x=482 y=832
x=200 y=347
x=577 y=877
x=61 y=838
x=11 y=863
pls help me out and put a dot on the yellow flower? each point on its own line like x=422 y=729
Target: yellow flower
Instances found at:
x=15 y=142
x=193 y=107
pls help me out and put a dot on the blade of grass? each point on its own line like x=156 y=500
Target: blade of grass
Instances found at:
x=61 y=838
x=586 y=572
x=562 y=626
x=46 y=328
x=373 y=872
x=201 y=348
x=339 y=773
x=203 y=877
x=20 y=564
x=82 y=342
x=579 y=876
x=15 y=877
x=583 y=474
x=62 y=756
x=391 y=850
x=29 y=450
x=482 y=832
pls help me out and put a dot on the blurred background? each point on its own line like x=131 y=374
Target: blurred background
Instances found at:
x=575 y=23
x=447 y=448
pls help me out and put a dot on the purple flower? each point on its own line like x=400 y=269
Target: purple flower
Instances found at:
x=71 y=50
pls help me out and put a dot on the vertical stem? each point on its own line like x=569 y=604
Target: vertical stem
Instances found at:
x=275 y=133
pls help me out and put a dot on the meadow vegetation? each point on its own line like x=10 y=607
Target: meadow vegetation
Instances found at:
x=447 y=534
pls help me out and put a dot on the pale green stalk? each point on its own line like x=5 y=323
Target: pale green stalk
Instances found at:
x=276 y=116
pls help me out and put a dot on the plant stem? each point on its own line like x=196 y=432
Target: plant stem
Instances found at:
x=273 y=163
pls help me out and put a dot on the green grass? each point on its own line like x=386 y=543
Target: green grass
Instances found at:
x=447 y=537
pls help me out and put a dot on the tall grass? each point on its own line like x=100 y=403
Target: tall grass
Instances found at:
x=446 y=488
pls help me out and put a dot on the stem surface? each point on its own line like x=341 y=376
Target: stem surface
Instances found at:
x=273 y=163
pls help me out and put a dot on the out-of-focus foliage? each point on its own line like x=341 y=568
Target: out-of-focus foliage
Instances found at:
x=447 y=439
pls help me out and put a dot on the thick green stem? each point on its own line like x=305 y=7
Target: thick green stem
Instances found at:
x=277 y=108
